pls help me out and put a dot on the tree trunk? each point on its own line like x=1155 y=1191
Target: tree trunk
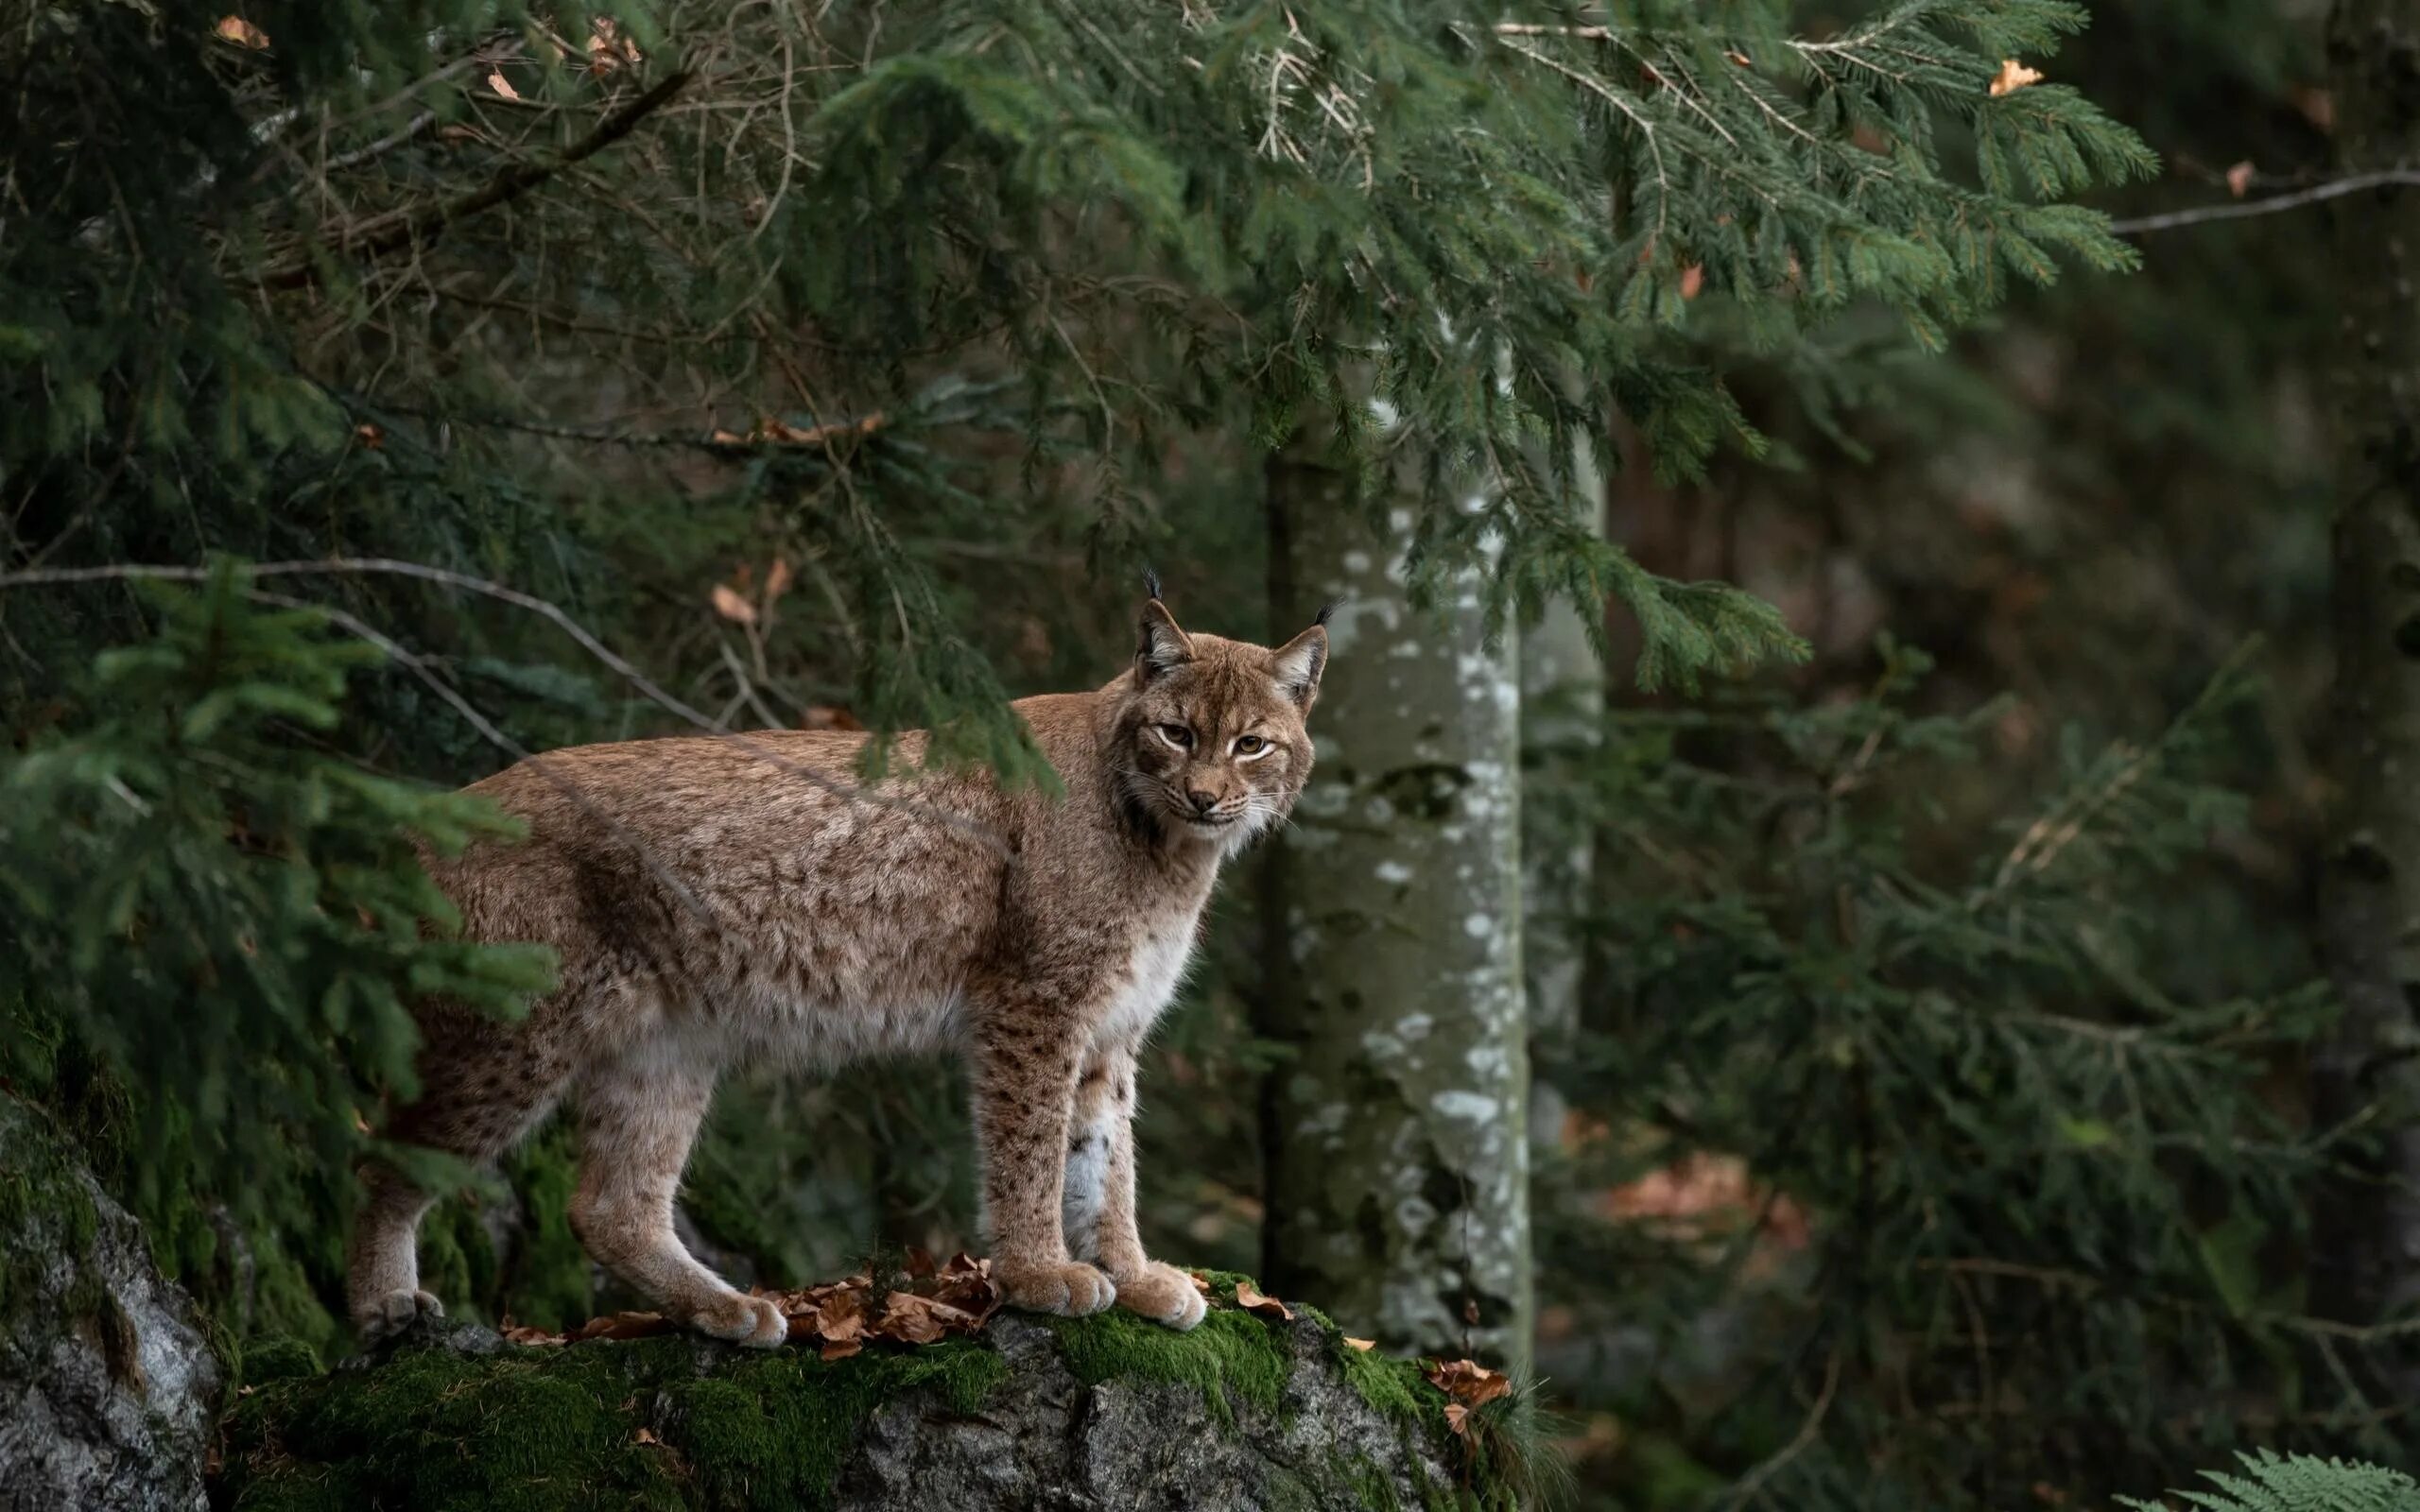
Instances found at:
x=2366 y=1226
x=1397 y=1158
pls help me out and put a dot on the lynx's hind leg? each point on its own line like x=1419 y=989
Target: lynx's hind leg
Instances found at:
x=480 y=1093
x=639 y=1115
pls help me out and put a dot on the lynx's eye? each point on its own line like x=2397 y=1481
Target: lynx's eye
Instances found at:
x=1248 y=745
x=1176 y=735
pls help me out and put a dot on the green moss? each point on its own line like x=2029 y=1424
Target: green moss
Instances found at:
x=457 y=1260
x=1231 y=1355
x=279 y=1357
x=770 y=1433
x=44 y=1211
x=547 y=1283
x=1375 y=1487
x=1395 y=1387
x=536 y=1430
x=542 y=1276
x=526 y=1431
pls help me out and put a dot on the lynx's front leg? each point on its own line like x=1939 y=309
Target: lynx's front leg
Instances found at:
x=1098 y=1200
x=1026 y=1053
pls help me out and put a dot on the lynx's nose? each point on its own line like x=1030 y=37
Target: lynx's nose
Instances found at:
x=1202 y=802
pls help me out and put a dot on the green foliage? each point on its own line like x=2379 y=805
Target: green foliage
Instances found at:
x=2008 y=1164
x=2296 y=1482
x=228 y=922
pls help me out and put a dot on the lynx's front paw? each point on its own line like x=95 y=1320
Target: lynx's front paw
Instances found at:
x=754 y=1321
x=1163 y=1294
x=395 y=1311
x=1069 y=1288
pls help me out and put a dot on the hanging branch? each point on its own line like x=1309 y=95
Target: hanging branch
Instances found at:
x=390 y=232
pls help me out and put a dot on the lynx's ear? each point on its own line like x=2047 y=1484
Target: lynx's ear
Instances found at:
x=1299 y=663
x=1162 y=646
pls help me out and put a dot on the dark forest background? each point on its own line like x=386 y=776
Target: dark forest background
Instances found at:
x=1864 y=947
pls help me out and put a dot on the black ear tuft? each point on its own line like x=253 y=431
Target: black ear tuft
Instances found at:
x=1162 y=645
x=1325 y=610
x=1150 y=583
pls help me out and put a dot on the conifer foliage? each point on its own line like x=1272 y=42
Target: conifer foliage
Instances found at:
x=2017 y=1186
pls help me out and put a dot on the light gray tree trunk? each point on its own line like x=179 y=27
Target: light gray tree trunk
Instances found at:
x=2366 y=1226
x=1397 y=1157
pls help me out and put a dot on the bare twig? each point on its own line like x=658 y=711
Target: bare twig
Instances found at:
x=1749 y=1485
x=815 y=441
x=392 y=140
x=2333 y=189
x=418 y=667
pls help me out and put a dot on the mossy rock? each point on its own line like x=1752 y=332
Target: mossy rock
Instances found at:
x=1107 y=1412
x=108 y=1385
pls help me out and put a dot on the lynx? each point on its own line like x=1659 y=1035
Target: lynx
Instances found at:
x=712 y=906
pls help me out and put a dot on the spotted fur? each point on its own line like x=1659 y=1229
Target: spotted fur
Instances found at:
x=821 y=930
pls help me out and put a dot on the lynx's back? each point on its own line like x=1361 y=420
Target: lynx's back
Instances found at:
x=712 y=889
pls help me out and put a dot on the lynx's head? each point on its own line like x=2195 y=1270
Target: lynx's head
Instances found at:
x=1210 y=744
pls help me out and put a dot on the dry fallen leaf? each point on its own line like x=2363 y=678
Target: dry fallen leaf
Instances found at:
x=2012 y=77
x=913 y=1319
x=623 y=1326
x=2317 y=105
x=732 y=607
x=1692 y=281
x=1741 y=58
x=1249 y=1299
x=242 y=33
x=840 y=1318
x=502 y=85
x=1467 y=1381
x=1455 y=1414
x=1365 y=1346
x=1201 y=1282
x=2239 y=177
x=641 y=1435
x=372 y=437
x=607 y=49
x=777 y=583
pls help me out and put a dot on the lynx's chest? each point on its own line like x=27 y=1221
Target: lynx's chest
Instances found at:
x=1149 y=980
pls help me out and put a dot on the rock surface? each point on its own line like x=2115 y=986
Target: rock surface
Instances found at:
x=1104 y=1413
x=107 y=1389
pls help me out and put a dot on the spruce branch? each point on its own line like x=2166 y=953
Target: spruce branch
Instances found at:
x=416 y=228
